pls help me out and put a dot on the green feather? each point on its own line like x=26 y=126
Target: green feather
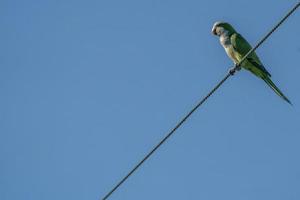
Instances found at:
x=243 y=47
x=227 y=27
x=239 y=48
x=253 y=64
x=275 y=89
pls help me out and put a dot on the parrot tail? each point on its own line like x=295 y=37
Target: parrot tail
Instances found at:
x=275 y=88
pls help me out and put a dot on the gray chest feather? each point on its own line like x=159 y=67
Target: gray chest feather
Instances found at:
x=225 y=41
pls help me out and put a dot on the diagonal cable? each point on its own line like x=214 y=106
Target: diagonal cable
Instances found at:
x=269 y=33
x=199 y=104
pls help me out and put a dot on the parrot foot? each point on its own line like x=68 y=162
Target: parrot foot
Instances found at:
x=238 y=68
x=234 y=69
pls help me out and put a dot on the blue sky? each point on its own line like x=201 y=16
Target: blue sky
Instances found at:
x=89 y=87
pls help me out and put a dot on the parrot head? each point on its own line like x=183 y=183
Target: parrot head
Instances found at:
x=220 y=28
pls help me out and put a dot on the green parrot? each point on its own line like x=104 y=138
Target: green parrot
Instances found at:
x=237 y=47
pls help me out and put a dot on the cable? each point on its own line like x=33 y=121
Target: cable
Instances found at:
x=269 y=33
x=168 y=135
x=230 y=73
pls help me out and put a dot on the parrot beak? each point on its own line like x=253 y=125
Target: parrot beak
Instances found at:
x=213 y=31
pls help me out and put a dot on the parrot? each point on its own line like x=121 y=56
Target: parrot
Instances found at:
x=236 y=48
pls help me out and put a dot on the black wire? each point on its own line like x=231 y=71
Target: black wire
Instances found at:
x=168 y=135
x=269 y=33
x=199 y=104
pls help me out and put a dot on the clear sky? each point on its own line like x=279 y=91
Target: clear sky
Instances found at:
x=89 y=87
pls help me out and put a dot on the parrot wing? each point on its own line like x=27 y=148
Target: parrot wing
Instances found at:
x=243 y=47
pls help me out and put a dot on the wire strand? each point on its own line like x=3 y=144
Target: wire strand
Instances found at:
x=199 y=104
x=269 y=33
x=168 y=135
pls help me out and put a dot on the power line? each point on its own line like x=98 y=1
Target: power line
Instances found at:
x=168 y=135
x=230 y=73
x=269 y=33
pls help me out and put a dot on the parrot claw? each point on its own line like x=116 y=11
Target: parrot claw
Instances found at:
x=234 y=69
x=238 y=68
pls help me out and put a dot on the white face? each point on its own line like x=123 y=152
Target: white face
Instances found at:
x=218 y=30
